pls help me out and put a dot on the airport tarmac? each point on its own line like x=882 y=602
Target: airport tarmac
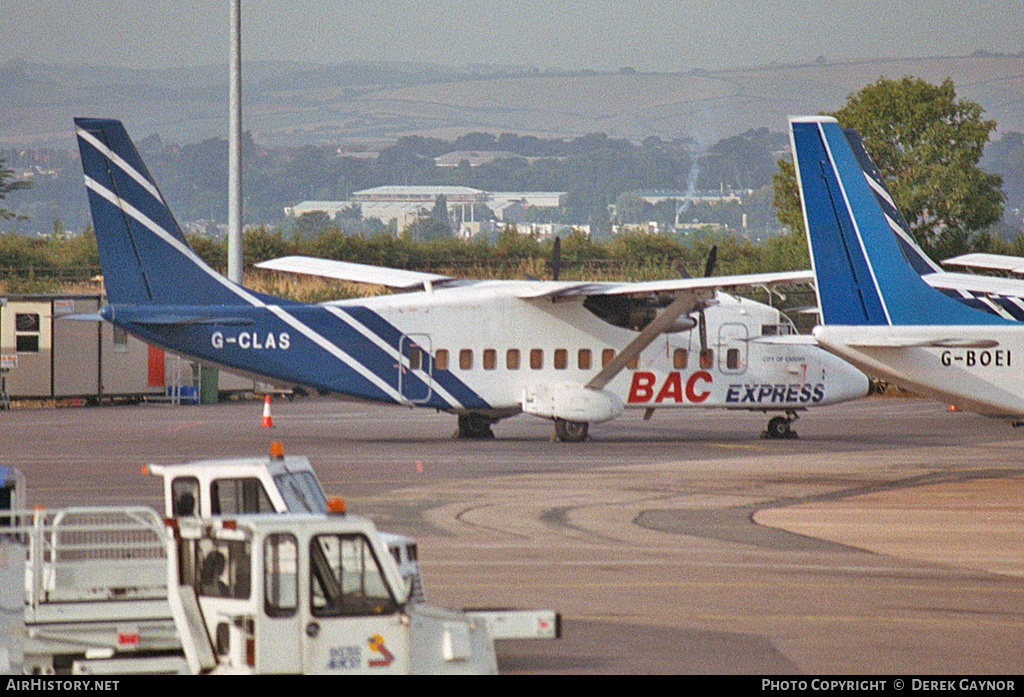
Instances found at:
x=887 y=539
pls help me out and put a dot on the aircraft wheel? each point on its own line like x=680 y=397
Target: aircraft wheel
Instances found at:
x=475 y=426
x=779 y=427
x=571 y=431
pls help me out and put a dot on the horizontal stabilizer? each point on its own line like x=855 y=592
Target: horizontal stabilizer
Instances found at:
x=83 y=317
x=178 y=320
x=911 y=341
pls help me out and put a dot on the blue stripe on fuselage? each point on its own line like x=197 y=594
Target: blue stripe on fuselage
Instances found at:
x=268 y=345
x=392 y=336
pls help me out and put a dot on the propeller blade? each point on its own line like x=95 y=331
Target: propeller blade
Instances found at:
x=709 y=266
x=556 y=258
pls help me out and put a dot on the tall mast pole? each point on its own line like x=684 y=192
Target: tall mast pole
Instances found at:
x=235 y=148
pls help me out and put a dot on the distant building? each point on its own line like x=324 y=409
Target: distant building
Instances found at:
x=406 y=204
x=420 y=194
x=474 y=158
x=724 y=196
x=331 y=208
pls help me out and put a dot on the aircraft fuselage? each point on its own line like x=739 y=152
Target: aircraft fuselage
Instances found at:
x=480 y=351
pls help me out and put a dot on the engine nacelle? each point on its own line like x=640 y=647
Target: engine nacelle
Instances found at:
x=571 y=402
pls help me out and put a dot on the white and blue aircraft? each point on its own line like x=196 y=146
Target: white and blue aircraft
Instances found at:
x=877 y=310
x=570 y=351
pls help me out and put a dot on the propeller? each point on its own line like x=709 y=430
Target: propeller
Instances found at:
x=702 y=327
x=556 y=258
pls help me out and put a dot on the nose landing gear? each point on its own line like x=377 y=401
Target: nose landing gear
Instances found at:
x=781 y=427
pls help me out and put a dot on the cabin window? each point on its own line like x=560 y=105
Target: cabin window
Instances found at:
x=732 y=358
x=441 y=359
x=239 y=495
x=466 y=359
x=679 y=358
x=26 y=332
x=561 y=359
x=490 y=359
x=280 y=575
x=707 y=358
x=184 y=496
x=583 y=359
x=536 y=358
x=346 y=579
x=512 y=359
x=777 y=329
x=607 y=356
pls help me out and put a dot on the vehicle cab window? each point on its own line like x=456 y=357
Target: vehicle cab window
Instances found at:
x=346 y=579
x=184 y=496
x=239 y=495
x=217 y=568
x=280 y=575
x=301 y=492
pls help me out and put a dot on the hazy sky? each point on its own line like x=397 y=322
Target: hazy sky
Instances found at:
x=599 y=34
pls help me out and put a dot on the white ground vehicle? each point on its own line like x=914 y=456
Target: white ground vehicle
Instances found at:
x=270 y=590
x=299 y=593
x=278 y=484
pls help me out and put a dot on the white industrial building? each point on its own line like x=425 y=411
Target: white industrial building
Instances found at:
x=406 y=204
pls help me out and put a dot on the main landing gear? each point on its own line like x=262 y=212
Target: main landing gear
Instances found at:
x=571 y=431
x=475 y=426
x=781 y=427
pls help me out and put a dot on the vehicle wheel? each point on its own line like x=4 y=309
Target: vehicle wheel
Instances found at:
x=571 y=431
x=779 y=428
x=475 y=426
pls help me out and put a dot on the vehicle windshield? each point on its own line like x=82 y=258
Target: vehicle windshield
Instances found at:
x=302 y=492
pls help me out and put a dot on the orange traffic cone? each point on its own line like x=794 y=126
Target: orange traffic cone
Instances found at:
x=267 y=421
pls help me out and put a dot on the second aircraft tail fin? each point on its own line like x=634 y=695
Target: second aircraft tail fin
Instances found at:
x=862 y=276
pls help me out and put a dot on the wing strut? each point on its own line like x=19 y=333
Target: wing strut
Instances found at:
x=684 y=302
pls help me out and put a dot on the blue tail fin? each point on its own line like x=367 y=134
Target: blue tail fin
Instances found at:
x=914 y=255
x=144 y=255
x=863 y=277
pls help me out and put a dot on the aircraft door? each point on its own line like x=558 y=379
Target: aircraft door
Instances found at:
x=415 y=367
x=732 y=348
x=352 y=622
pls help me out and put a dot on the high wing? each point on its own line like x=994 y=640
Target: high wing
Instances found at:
x=401 y=279
x=356 y=273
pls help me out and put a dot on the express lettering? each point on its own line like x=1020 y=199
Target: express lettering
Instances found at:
x=252 y=340
x=1000 y=358
x=793 y=393
x=672 y=390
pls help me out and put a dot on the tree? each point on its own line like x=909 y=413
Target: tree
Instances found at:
x=7 y=185
x=927 y=145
